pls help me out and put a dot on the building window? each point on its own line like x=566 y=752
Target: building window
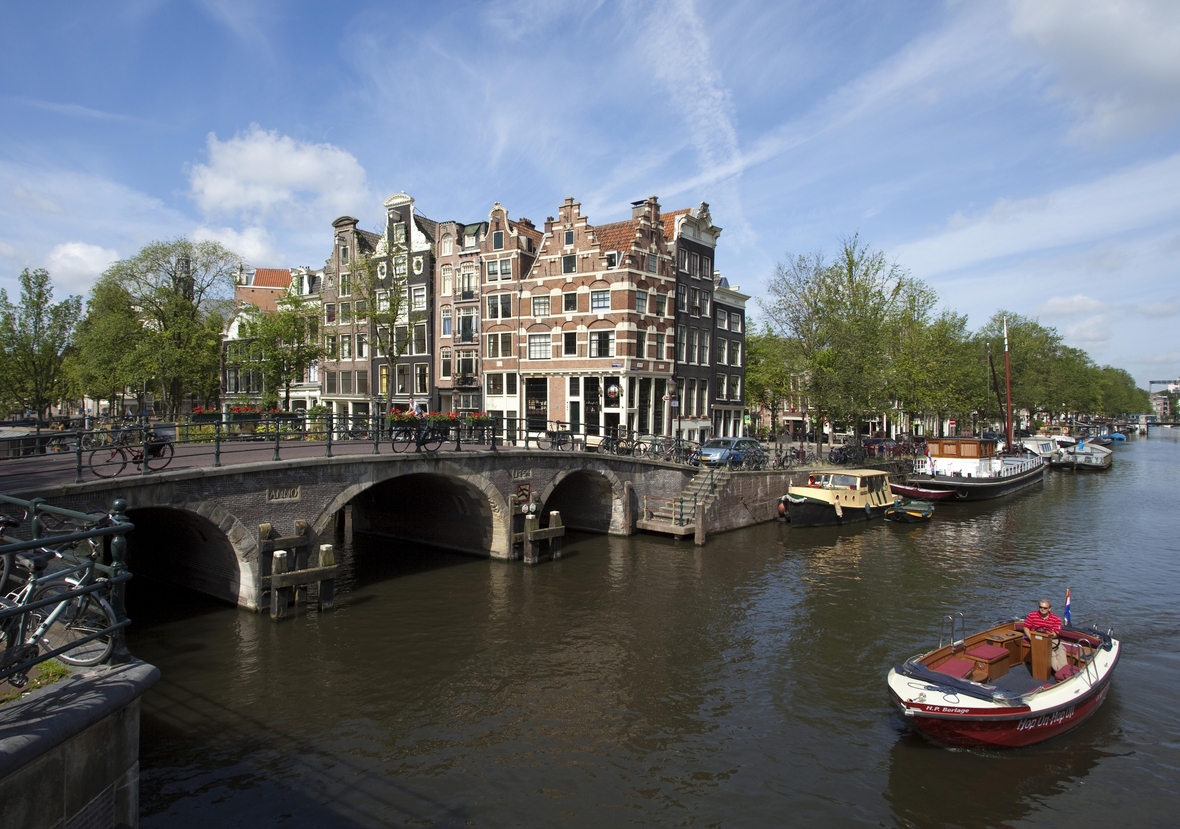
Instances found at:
x=344 y=254
x=330 y=382
x=735 y=353
x=346 y=347
x=402 y=379
x=383 y=380
x=362 y=346
x=446 y=322
x=330 y=313
x=693 y=264
x=690 y=398
x=722 y=319
x=499 y=345
x=510 y=387
x=467 y=281
x=569 y=264
x=651 y=263
x=500 y=306
x=569 y=238
x=600 y=300
x=447 y=281
x=735 y=322
x=418 y=298
x=345 y=313
x=493 y=270
x=681 y=298
x=362 y=382
x=540 y=306
x=539 y=347
x=694 y=302
x=692 y=345
x=569 y=303
x=345 y=284
x=446 y=362
x=681 y=335
x=448 y=246
x=505 y=268
x=641 y=344
x=658 y=303
x=641 y=302
x=602 y=343
x=660 y=353
x=498 y=240
x=735 y=387
x=467 y=324
x=703 y=398
x=612 y=260
x=722 y=385
x=575 y=387
x=346 y=382
x=362 y=310
x=722 y=351
x=706 y=268
x=330 y=346
x=495 y=384
x=421 y=378
x=682 y=259
x=569 y=343
x=467 y=362
x=420 y=338
x=704 y=346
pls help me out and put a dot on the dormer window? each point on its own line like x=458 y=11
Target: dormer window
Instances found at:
x=498 y=240
x=469 y=240
x=612 y=260
x=569 y=238
x=447 y=246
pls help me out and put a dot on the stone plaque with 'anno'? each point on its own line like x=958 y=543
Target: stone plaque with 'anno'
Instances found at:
x=282 y=493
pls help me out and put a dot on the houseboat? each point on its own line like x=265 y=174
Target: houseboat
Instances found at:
x=973 y=470
x=836 y=498
x=1084 y=455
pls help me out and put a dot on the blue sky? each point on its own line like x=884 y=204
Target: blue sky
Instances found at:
x=1022 y=155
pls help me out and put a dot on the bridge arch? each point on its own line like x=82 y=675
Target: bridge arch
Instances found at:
x=204 y=548
x=589 y=498
x=446 y=507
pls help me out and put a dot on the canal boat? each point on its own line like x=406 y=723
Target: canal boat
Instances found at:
x=910 y=491
x=1042 y=445
x=1084 y=455
x=836 y=498
x=997 y=688
x=973 y=470
x=909 y=511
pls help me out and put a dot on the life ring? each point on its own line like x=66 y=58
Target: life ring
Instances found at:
x=961 y=493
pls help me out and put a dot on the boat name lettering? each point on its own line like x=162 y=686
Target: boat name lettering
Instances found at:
x=1055 y=718
x=947 y=709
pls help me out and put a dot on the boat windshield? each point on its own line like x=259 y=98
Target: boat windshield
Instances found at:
x=843 y=481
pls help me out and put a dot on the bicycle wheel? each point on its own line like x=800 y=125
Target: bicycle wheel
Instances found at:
x=544 y=440
x=107 y=461
x=82 y=616
x=564 y=441
x=604 y=446
x=641 y=449
x=159 y=455
x=432 y=439
x=403 y=439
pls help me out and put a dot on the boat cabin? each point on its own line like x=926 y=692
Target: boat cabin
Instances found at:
x=1005 y=651
x=961 y=448
x=852 y=487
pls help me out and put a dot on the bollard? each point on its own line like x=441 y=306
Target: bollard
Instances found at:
x=531 y=524
x=216 y=444
x=327 y=587
x=555 y=542
x=328 y=422
x=698 y=518
x=275 y=423
x=120 y=654
x=78 y=460
x=279 y=596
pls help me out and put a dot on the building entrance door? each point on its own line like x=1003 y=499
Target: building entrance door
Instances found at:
x=536 y=403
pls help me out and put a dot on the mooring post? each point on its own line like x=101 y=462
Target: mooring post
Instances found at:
x=216 y=444
x=327 y=587
x=120 y=655
x=628 y=511
x=698 y=517
x=274 y=421
x=531 y=524
x=302 y=555
x=279 y=596
x=556 y=541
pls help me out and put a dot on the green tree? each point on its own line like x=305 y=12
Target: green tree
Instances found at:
x=283 y=344
x=772 y=366
x=180 y=290
x=848 y=319
x=36 y=336
x=937 y=371
x=111 y=354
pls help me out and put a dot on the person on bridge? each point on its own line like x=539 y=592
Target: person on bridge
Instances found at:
x=1043 y=618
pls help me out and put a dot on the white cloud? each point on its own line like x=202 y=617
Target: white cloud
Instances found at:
x=1119 y=62
x=1137 y=198
x=261 y=173
x=74 y=266
x=1158 y=310
x=1091 y=331
x=253 y=244
x=1076 y=304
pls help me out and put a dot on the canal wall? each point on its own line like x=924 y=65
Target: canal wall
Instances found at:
x=69 y=752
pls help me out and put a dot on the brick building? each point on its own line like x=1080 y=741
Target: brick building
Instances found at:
x=729 y=358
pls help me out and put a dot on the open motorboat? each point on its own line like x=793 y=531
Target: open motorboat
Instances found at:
x=834 y=498
x=1084 y=455
x=909 y=512
x=997 y=688
x=973 y=470
x=1042 y=445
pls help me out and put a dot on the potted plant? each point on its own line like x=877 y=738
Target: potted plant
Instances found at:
x=201 y=414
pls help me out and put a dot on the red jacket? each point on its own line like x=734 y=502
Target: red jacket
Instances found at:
x=1034 y=621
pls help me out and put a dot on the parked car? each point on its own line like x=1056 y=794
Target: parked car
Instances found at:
x=745 y=452
x=881 y=447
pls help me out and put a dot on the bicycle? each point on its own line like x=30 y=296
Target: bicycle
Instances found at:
x=406 y=435
x=155 y=451
x=558 y=439
x=617 y=444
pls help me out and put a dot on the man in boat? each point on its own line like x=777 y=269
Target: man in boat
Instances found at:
x=1043 y=618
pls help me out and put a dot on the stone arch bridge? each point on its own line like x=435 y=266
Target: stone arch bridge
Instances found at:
x=204 y=522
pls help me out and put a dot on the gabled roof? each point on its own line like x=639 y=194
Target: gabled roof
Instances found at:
x=365 y=237
x=271 y=278
x=617 y=235
x=669 y=220
x=527 y=230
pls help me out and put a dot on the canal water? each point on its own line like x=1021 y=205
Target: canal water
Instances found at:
x=648 y=681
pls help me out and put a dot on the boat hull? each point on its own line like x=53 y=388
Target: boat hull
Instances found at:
x=820 y=514
x=976 y=489
x=1009 y=729
x=922 y=494
x=909 y=512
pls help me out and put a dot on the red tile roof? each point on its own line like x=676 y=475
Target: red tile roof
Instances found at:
x=617 y=235
x=271 y=278
x=527 y=230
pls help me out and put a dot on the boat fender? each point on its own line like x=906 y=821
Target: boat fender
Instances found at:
x=839 y=510
x=868 y=511
x=961 y=493
x=782 y=508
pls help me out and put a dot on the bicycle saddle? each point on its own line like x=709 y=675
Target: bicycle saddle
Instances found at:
x=8 y=522
x=37 y=562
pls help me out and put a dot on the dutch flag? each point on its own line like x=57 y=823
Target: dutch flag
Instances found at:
x=1065 y=617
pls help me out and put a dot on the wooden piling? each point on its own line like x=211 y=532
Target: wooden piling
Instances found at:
x=698 y=517
x=327 y=587
x=555 y=541
x=279 y=596
x=531 y=524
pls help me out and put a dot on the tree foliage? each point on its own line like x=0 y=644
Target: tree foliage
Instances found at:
x=283 y=344
x=36 y=338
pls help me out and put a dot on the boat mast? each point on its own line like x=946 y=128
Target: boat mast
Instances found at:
x=1008 y=385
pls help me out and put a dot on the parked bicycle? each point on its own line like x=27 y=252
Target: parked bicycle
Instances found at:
x=560 y=439
x=616 y=443
x=153 y=450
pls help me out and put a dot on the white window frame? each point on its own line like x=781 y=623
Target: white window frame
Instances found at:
x=540 y=347
x=600 y=300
